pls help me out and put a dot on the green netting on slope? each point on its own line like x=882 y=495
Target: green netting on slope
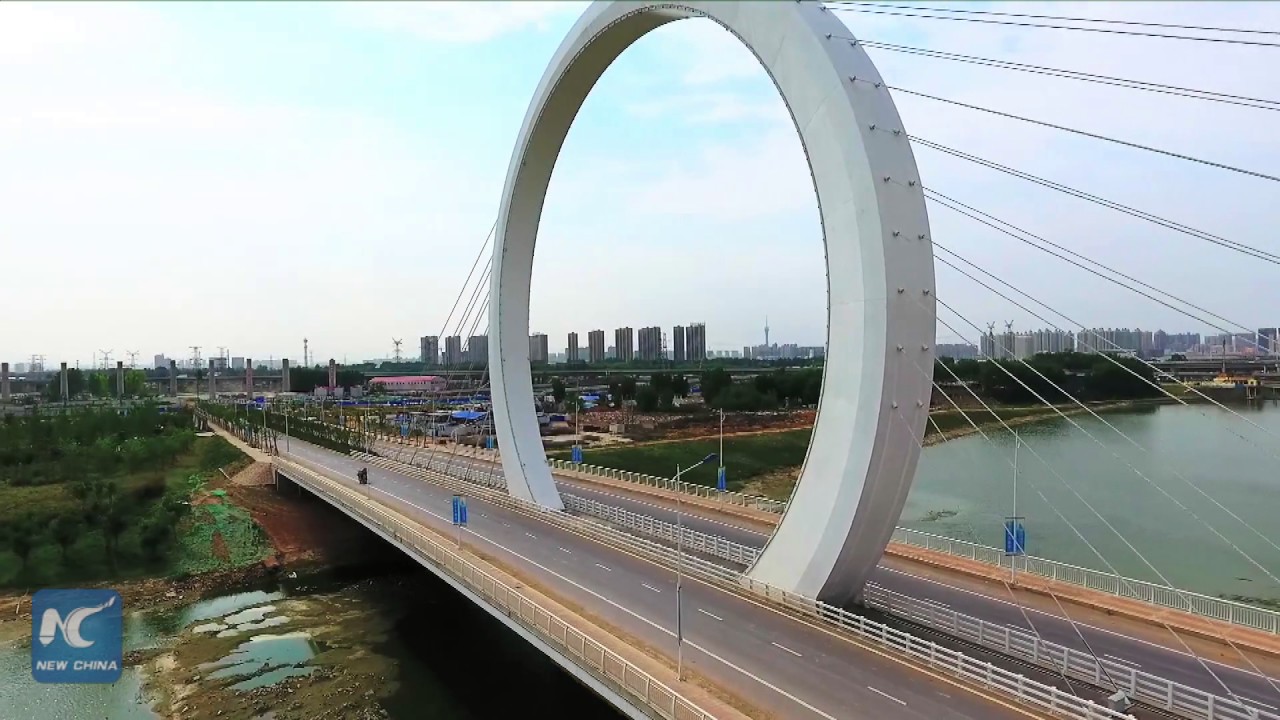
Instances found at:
x=244 y=541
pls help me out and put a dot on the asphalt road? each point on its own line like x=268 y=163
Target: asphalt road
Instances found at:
x=773 y=662
x=1176 y=665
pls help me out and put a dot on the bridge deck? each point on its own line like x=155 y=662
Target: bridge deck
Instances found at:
x=772 y=662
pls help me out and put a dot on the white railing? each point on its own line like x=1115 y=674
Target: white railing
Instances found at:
x=1145 y=687
x=607 y=666
x=928 y=653
x=646 y=525
x=1110 y=583
x=1229 y=611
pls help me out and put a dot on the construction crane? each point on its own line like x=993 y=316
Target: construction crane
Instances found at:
x=397 y=343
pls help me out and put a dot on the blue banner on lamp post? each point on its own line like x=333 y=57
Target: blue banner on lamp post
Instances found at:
x=576 y=455
x=721 y=483
x=1015 y=537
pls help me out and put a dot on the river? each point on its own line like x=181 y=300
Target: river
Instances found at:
x=1213 y=463
x=395 y=645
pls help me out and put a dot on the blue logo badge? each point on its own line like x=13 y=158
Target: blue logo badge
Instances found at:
x=77 y=636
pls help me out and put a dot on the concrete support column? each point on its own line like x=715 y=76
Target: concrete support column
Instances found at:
x=248 y=377
x=120 y=380
x=284 y=375
x=213 y=384
x=333 y=374
x=66 y=392
x=173 y=378
x=4 y=382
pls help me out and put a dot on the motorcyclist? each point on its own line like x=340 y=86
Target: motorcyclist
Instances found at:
x=363 y=476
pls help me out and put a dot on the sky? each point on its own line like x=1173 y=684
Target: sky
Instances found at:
x=245 y=175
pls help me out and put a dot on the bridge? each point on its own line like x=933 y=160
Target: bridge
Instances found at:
x=675 y=601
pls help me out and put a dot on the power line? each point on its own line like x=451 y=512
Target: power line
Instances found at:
x=1108 y=31
x=1134 y=212
x=1085 y=133
x=1105 y=21
x=1175 y=90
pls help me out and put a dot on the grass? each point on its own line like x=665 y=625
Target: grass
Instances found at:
x=753 y=456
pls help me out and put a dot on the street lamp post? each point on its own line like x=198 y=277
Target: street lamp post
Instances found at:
x=680 y=567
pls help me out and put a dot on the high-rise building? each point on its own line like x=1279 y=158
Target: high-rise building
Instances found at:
x=538 y=348
x=650 y=342
x=237 y=363
x=595 y=346
x=453 y=350
x=678 y=351
x=478 y=349
x=624 y=342
x=571 y=350
x=429 y=347
x=695 y=341
x=160 y=362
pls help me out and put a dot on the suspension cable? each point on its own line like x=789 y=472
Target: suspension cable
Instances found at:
x=991 y=222
x=1108 y=31
x=1239 y=247
x=1089 y=505
x=1075 y=131
x=1105 y=21
x=1121 y=365
x=1174 y=90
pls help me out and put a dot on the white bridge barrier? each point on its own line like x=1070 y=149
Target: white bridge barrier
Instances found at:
x=1230 y=611
x=924 y=652
x=605 y=665
x=1150 y=689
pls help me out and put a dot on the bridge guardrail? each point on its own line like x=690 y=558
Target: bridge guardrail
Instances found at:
x=1236 y=613
x=925 y=652
x=1150 y=689
x=606 y=665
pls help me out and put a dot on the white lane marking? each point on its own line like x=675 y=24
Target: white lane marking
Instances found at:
x=710 y=615
x=1122 y=660
x=641 y=618
x=885 y=694
x=603 y=567
x=566 y=550
x=651 y=587
x=1062 y=619
x=535 y=537
x=784 y=647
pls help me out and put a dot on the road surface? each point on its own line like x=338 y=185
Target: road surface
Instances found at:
x=771 y=661
x=1174 y=664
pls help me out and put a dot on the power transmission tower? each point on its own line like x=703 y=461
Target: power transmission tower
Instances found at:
x=397 y=344
x=37 y=363
x=133 y=358
x=195 y=357
x=106 y=358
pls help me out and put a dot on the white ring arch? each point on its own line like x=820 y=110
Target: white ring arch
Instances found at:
x=880 y=307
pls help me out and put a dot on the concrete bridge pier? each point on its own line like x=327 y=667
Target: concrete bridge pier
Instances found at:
x=284 y=375
x=213 y=384
x=333 y=373
x=63 y=386
x=248 y=377
x=120 y=380
x=4 y=382
x=173 y=378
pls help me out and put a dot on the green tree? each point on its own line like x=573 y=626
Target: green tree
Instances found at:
x=64 y=530
x=135 y=383
x=557 y=390
x=714 y=381
x=24 y=536
x=647 y=399
x=627 y=387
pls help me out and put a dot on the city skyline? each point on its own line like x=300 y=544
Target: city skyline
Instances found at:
x=706 y=210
